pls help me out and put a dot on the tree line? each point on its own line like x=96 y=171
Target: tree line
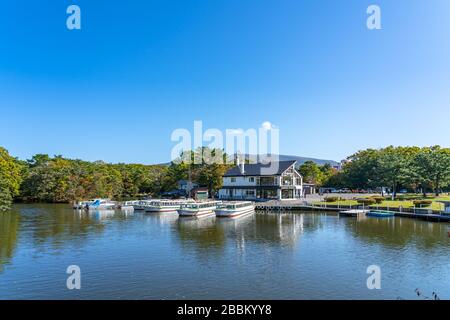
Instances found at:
x=412 y=168
x=60 y=180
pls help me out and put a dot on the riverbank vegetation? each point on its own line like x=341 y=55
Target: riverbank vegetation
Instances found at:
x=418 y=170
x=10 y=178
x=60 y=180
x=431 y=202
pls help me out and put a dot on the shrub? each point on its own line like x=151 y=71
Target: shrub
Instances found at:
x=422 y=203
x=332 y=199
x=366 y=201
x=378 y=199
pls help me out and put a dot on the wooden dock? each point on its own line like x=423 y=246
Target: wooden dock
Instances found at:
x=428 y=217
x=352 y=211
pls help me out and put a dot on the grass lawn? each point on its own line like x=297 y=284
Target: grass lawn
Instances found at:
x=392 y=204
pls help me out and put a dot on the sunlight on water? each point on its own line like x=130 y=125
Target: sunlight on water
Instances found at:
x=260 y=256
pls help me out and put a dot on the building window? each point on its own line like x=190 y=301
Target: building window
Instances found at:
x=250 y=193
x=251 y=179
x=233 y=180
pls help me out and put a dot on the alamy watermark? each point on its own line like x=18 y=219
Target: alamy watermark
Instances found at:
x=74 y=279
x=374 y=280
x=73 y=21
x=213 y=146
x=374 y=19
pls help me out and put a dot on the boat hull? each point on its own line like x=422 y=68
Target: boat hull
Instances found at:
x=163 y=209
x=127 y=208
x=102 y=207
x=234 y=213
x=380 y=214
x=195 y=213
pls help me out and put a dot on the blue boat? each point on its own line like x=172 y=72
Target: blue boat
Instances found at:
x=380 y=214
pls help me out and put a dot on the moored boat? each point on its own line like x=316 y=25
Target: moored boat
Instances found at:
x=142 y=204
x=166 y=205
x=235 y=209
x=82 y=204
x=380 y=214
x=196 y=209
x=101 y=204
x=95 y=204
x=128 y=205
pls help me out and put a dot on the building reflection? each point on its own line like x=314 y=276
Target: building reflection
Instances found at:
x=236 y=229
x=277 y=228
x=270 y=229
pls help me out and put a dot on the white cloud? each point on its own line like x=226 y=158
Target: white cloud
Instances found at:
x=267 y=125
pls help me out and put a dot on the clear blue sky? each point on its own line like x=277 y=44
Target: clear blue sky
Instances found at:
x=140 y=69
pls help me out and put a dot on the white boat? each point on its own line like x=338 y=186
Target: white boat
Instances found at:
x=196 y=209
x=101 y=204
x=128 y=205
x=234 y=209
x=166 y=205
x=82 y=204
x=142 y=204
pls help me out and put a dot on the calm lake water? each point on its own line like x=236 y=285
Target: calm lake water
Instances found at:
x=262 y=256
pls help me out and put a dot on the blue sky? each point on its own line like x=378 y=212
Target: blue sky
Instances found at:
x=138 y=70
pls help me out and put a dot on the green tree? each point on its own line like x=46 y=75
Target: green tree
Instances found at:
x=10 y=179
x=311 y=173
x=395 y=167
x=432 y=166
x=360 y=170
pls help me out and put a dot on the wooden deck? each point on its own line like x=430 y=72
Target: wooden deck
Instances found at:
x=351 y=210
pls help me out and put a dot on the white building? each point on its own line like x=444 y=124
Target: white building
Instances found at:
x=187 y=185
x=277 y=180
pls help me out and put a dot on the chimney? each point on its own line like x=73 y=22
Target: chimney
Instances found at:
x=240 y=165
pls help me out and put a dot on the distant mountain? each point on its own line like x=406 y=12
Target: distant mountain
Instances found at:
x=300 y=160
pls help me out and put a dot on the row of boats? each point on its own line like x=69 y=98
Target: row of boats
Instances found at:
x=188 y=207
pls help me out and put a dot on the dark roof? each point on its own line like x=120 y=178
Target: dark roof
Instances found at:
x=259 y=169
x=185 y=182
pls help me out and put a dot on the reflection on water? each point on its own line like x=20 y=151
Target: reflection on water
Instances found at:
x=9 y=228
x=257 y=256
x=200 y=234
x=398 y=233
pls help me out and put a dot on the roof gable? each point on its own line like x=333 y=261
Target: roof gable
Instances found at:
x=259 y=169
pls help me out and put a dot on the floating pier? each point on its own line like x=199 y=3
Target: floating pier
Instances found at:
x=354 y=211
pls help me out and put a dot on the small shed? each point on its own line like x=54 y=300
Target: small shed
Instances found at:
x=200 y=193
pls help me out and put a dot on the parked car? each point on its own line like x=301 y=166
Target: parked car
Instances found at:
x=360 y=191
x=327 y=190
x=174 y=194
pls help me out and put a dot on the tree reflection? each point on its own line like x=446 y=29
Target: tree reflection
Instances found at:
x=9 y=232
x=59 y=225
x=399 y=232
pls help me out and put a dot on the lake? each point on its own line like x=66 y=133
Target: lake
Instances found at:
x=261 y=256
